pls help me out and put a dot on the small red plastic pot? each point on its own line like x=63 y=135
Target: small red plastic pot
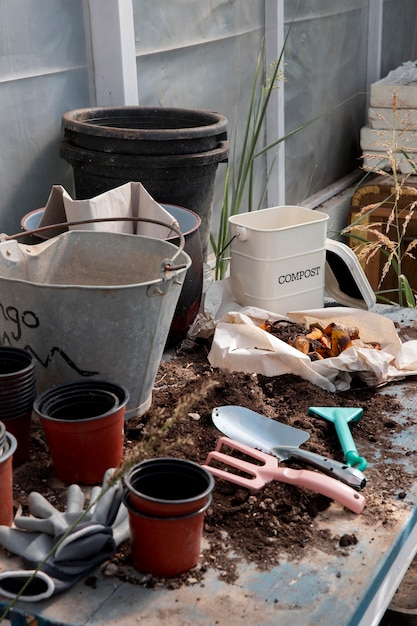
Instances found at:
x=83 y=425
x=168 y=486
x=6 y=480
x=166 y=499
x=165 y=546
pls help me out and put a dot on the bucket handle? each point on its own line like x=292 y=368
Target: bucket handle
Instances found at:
x=167 y=264
x=242 y=234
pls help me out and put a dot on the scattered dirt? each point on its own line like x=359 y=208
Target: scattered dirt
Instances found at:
x=241 y=525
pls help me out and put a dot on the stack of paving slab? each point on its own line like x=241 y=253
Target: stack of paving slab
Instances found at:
x=383 y=117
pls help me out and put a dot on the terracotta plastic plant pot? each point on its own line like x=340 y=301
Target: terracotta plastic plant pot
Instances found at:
x=6 y=480
x=165 y=546
x=20 y=428
x=83 y=425
x=167 y=486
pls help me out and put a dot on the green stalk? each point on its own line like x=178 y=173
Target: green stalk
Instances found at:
x=243 y=181
x=240 y=177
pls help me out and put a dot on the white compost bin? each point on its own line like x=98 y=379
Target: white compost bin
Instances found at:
x=278 y=258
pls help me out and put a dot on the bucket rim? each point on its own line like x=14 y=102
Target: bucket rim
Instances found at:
x=239 y=220
x=166 y=205
x=165 y=262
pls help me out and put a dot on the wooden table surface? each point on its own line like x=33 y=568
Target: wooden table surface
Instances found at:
x=323 y=590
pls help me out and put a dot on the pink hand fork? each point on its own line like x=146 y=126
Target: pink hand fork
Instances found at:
x=260 y=475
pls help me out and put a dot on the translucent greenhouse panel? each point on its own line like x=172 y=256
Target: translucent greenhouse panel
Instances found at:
x=400 y=16
x=200 y=55
x=43 y=72
x=325 y=63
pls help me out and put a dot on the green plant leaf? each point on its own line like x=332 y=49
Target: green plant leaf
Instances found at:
x=240 y=174
x=407 y=292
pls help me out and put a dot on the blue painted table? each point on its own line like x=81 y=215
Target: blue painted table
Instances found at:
x=322 y=590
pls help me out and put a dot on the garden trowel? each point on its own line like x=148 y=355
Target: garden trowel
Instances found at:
x=280 y=440
x=341 y=416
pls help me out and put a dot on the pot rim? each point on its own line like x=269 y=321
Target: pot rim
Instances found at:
x=75 y=154
x=90 y=385
x=22 y=391
x=73 y=390
x=12 y=446
x=22 y=356
x=85 y=121
x=176 y=461
x=157 y=518
x=115 y=408
x=74 y=400
x=167 y=206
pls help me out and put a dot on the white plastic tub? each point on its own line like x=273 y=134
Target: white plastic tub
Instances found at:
x=278 y=258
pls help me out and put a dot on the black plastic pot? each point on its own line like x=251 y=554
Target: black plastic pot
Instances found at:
x=83 y=424
x=148 y=131
x=174 y=153
x=190 y=298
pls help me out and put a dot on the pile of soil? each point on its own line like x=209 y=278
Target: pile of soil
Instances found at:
x=242 y=525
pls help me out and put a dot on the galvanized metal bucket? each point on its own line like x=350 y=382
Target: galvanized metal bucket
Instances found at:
x=92 y=304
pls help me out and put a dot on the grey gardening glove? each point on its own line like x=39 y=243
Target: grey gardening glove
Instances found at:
x=93 y=539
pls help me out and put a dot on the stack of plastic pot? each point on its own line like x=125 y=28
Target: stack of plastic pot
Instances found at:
x=173 y=152
x=83 y=423
x=167 y=499
x=17 y=393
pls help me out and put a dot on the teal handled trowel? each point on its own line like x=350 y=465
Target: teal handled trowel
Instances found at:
x=341 y=416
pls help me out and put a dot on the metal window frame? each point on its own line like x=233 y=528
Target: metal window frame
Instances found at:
x=113 y=52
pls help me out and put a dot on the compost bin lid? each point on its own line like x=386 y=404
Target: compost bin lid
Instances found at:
x=346 y=282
